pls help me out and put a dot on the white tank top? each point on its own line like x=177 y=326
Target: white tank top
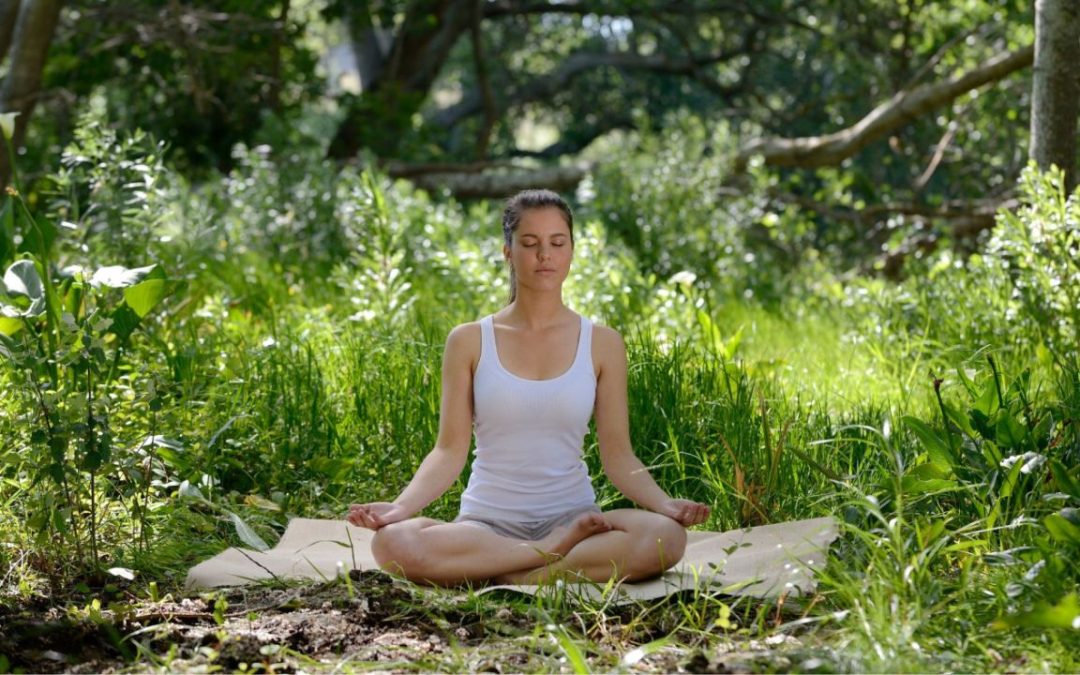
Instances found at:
x=530 y=434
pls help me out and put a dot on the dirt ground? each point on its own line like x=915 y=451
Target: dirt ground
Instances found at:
x=371 y=624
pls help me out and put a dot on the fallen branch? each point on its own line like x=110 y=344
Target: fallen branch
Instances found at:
x=470 y=184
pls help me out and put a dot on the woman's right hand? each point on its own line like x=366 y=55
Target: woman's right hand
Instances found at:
x=376 y=515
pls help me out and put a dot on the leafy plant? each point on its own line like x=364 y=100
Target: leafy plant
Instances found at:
x=64 y=339
x=1039 y=248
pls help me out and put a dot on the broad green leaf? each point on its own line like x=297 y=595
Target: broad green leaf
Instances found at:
x=959 y=419
x=936 y=447
x=1009 y=483
x=124 y=321
x=980 y=421
x=10 y=325
x=929 y=532
x=988 y=402
x=966 y=544
x=929 y=470
x=1065 y=482
x=915 y=485
x=1065 y=614
x=732 y=344
x=1009 y=432
x=246 y=534
x=1041 y=433
x=73 y=298
x=1062 y=529
x=145 y=295
x=967 y=381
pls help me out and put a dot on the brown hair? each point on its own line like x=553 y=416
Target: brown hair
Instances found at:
x=527 y=200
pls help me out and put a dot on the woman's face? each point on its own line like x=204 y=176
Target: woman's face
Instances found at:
x=541 y=249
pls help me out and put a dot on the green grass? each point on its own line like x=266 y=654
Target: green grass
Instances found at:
x=294 y=380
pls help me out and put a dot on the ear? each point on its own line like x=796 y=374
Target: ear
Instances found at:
x=506 y=253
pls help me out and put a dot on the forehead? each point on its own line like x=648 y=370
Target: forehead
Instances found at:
x=542 y=222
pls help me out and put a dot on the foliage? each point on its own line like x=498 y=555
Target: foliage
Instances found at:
x=66 y=342
x=1039 y=249
x=296 y=369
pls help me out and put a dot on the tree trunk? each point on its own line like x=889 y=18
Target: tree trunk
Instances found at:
x=1055 y=91
x=380 y=116
x=9 y=12
x=32 y=35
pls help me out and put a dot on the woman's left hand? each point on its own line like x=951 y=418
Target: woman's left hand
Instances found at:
x=686 y=512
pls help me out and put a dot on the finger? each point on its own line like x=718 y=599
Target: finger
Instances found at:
x=700 y=514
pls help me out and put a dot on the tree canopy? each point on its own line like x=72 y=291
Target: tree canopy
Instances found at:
x=917 y=107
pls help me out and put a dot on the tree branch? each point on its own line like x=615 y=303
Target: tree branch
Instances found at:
x=547 y=85
x=473 y=184
x=505 y=8
x=831 y=149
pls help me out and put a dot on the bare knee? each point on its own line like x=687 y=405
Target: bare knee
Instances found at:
x=662 y=545
x=395 y=548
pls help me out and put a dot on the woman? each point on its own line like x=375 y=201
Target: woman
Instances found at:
x=530 y=376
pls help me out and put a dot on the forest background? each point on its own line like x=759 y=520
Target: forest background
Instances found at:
x=840 y=238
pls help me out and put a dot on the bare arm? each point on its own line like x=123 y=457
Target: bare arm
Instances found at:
x=627 y=473
x=444 y=463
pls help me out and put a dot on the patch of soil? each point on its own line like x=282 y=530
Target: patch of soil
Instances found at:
x=271 y=629
x=372 y=623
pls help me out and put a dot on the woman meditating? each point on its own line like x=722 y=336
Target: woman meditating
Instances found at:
x=529 y=377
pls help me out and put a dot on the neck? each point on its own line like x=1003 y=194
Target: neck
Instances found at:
x=533 y=310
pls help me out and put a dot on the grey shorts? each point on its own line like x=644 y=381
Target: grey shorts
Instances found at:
x=530 y=530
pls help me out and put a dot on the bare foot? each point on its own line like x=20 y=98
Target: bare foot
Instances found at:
x=562 y=539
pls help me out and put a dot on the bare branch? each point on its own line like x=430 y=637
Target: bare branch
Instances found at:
x=545 y=86
x=935 y=160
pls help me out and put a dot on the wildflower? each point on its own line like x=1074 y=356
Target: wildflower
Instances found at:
x=685 y=277
x=12 y=191
x=7 y=124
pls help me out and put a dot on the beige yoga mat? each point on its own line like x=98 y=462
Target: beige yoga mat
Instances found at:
x=762 y=561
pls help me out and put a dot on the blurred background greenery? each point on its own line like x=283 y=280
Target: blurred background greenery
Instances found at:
x=237 y=233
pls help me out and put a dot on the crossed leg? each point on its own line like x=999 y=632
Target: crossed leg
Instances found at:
x=627 y=543
x=639 y=545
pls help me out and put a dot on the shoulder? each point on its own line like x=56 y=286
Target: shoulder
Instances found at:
x=463 y=342
x=608 y=348
x=607 y=338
